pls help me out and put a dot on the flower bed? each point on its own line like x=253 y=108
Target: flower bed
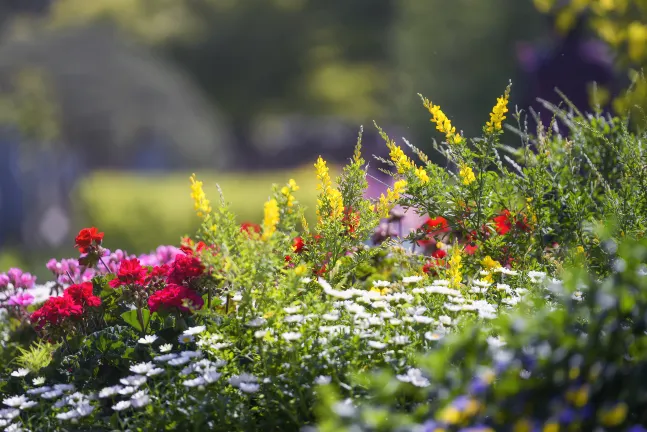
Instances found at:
x=513 y=306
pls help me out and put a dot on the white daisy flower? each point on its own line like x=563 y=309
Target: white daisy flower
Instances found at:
x=133 y=380
x=481 y=284
x=185 y=339
x=142 y=368
x=293 y=319
x=395 y=321
x=377 y=345
x=506 y=271
x=165 y=357
x=121 y=405
x=260 y=334
x=28 y=404
x=109 y=391
x=291 y=336
x=400 y=340
x=140 y=399
x=126 y=390
x=20 y=372
x=330 y=316
x=147 y=340
x=445 y=320
x=194 y=330
x=502 y=287
x=178 y=361
x=249 y=387
x=411 y=279
x=38 y=381
x=578 y=296
x=495 y=342
x=39 y=390
x=434 y=336
x=306 y=280
x=256 y=322
x=15 y=401
x=165 y=348
x=323 y=380
x=51 y=394
x=415 y=377
x=9 y=413
x=421 y=319
x=292 y=309
x=195 y=382
x=211 y=376
x=381 y=284
x=64 y=387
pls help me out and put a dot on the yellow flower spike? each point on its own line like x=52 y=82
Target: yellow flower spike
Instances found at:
x=322 y=175
x=401 y=161
x=489 y=263
x=467 y=175
x=270 y=219
x=454 y=273
x=498 y=113
x=387 y=202
x=443 y=124
x=200 y=201
x=422 y=175
x=293 y=185
x=336 y=204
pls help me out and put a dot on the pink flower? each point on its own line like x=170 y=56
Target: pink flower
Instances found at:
x=22 y=299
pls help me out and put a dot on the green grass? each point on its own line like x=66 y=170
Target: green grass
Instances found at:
x=140 y=212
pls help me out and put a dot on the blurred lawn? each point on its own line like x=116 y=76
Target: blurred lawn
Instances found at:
x=139 y=212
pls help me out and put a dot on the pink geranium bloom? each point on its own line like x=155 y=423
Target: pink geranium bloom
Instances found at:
x=23 y=299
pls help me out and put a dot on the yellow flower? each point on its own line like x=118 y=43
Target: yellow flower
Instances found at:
x=454 y=273
x=386 y=203
x=381 y=291
x=551 y=427
x=401 y=161
x=336 y=203
x=270 y=219
x=522 y=425
x=637 y=39
x=200 y=201
x=322 y=175
x=443 y=124
x=498 y=113
x=422 y=175
x=489 y=263
x=287 y=192
x=580 y=249
x=614 y=416
x=300 y=270
x=467 y=175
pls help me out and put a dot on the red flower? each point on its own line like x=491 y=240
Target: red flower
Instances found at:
x=298 y=245
x=432 y=228
x=470 y=248
x=351 y=220
x=503 y=222
x=87 y=239
x=249 y=228
x=321 y=270
x=55 y=311
x=158 y=273
x=175 y=296
x=439 y=254
x=432 y=266
x=82 y=295
x=130 y=272
x=184 y=269
x=189 y=247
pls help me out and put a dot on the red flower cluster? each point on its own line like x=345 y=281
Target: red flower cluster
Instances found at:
x=184 y=269
x=298 y=245
x=130 y=273
x=71 y=304
x=88 y=239
x=249 y=228
x=433 y=228
x=350 y=220
x=505 y=221
x=175 y=296
x=189 y=247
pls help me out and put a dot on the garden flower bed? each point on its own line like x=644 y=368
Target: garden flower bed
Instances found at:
x=519 y=304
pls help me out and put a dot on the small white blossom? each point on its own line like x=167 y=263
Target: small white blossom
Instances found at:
x=377 y=345
x=121 y=405
x=142 y=368
x=51 y=394
x=445 y=320
x=9 y=413
x=15 y=401
x=293 y=319
x=38 y=381
x=381 y=284
x=577 y=296
x=127 y=390
x=133 y=380
x=196 y=382
x=140 y=399
x=330 y=316
x=256 y=322
x=20 y=372
x=495 y=342
x=506 y=271
x=502 y=287
x=292 y=309
x=323 y=380
x=421 y=319
x=291 y=336
x=248 y=387
x=260 y=334
x=185 y=339
x=194 y=330
x=109 y=391
x=165 y=348
x=147 y=340
x=434 y=336
x=306 y=280
x=411 y=279
x=400 y=340
x=414 y=376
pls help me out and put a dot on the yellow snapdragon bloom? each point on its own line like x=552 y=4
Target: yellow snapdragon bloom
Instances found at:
x=270 y=219
x=386 y=203
x=498 y=113
x=455 y=265
x=443 y=124
x=200 y=201
x=467 y=175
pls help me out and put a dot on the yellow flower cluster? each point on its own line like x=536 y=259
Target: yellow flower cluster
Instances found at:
x=386 y=203
x=270 y=218
x=498 y=113
x=443 y=124
x=454 y=273
x=466 y=174
x=287 y=191
x=200 y=201
x=325 y=186
x=422 y=175
x=401 y=161
x=490 y=264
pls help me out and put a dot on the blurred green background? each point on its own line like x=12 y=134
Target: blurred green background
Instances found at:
x=244 y=92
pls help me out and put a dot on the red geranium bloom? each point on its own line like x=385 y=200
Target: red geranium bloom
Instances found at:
x=82 y=295
x=298 y=245
x=432 y=228
x=55 y=310
x=249 y=228
x=175 y=296
x=130 y=272
x=87 y=239
x=184 y=269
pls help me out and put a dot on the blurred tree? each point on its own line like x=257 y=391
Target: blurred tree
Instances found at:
x=459 y=54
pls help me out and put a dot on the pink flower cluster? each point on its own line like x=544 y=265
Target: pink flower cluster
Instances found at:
x=13 y=285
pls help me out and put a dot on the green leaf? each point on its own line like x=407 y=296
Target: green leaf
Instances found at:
x=131 y=318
